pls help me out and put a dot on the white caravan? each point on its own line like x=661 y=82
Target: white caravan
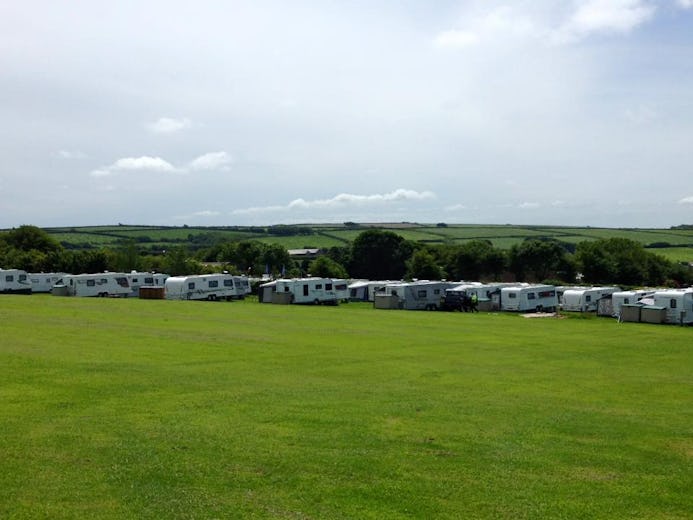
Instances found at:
x=527 y=298
x=365 y=290
x=678 y=304
x=309 y=290
x=97 y=284
x=202 y=287
x=419 y=295
x=585 y=300
x=620 y=298
x=138 y=279
x=14 y=281
x=44 y=282
x=242 y=284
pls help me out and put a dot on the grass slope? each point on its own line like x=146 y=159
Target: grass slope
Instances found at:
x=157 y=409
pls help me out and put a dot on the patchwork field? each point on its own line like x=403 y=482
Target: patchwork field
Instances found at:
x=679 y=241
x=158 y=409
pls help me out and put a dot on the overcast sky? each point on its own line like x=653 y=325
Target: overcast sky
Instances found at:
x=575 y=112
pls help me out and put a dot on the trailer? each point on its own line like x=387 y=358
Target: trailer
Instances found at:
x=529 y=298
x=44 y=282
x=678 y=304
x=418 y=295
x=308 y=290
x=93 y=285
x=621 y=298
x=585 y=300
x=14 y=281
x=217 y=286
x=145 y=279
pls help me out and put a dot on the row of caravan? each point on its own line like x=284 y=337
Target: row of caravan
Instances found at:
x=195 y=287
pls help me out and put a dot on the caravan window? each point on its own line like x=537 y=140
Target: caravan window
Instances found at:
x=512 y=295
x=149 y=281
x=328 y=286
x=436 y=291
x=22 y=277
x=422 y=293
x=318 y=286
x=123 y=282
x=626 y=300
x=588 y=298
x=191 y=285
x=672 y=303
x=9 y=278
x=547 y=294
x=214 y=283
x=531 y=296
x=135 y=280
x=91 y=283
x=228 y=282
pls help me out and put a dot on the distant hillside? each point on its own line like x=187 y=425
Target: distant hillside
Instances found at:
x=675 y=243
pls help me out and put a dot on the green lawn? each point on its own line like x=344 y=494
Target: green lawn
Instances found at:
x=160 y=409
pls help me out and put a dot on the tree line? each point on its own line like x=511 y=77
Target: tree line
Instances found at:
x=374 y=254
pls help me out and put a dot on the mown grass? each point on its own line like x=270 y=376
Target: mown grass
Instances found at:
x=160 y=409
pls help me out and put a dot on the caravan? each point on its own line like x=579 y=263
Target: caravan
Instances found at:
x=44 y=282
x=365 y=290
x=585 y=299
x=678 y=304
x=529 y=298
x=419 y=295
x=138 y=279
x=621 y=298
x=202 y=287
x=308 y=290
x=242 y=284
x=14 y=281
x=97 y=284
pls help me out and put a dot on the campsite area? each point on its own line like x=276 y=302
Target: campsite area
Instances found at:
x=128 y=408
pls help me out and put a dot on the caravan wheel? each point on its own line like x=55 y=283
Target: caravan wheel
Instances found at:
x=316 y=301
x=540 y=308
x=212 y=297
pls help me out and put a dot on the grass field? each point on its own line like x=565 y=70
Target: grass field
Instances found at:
x=329 y=235
x=160 y=409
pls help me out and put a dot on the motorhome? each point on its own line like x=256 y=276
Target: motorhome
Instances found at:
x=14 y=281
x=139 y=279
x=585 y=299
x=678 y=304
x=44 y=282
x=529 y=298
x=217 y=286
x=620 y=298
x=308 y=290
x=96 y=284
x=418 y=295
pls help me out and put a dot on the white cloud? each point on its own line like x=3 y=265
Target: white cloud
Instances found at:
x=68 y=154
x=605 y=16
x=641 y=114
x=686 y=200
x=343 y=200
x=685 y=4
x=212 y=161
x=454 y=39
x=144 y=163
x=455 y=207
x=168 y=125
x=498 y=24
x=206 y=213
x=529 y=205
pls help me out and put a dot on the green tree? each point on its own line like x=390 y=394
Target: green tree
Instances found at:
x=325 y=267
x=379 y=255
x=475 y=259
x=28 y=238
x=424 y=266
x=538 y=259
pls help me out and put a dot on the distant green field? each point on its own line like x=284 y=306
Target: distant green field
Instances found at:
x=329 y=235
x=160 y=409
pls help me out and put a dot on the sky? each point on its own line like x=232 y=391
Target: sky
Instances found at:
x=263 y=112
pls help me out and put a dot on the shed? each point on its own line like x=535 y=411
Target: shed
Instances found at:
x=630 y=312
x=387 y=301
x=152 y=292
x=653 y=314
